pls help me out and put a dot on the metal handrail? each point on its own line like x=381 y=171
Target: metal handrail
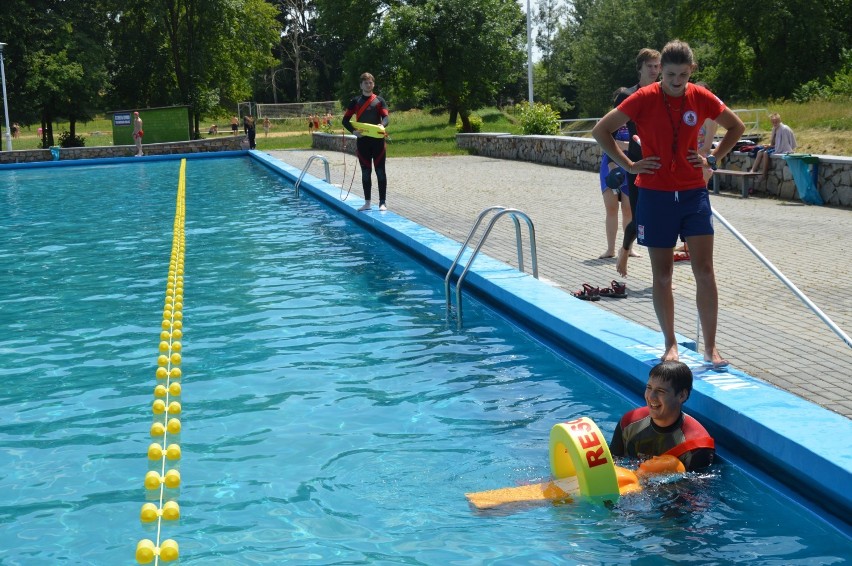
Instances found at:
x=305 y=170
x=501 y=211
x=574 y=120
x=775 y=271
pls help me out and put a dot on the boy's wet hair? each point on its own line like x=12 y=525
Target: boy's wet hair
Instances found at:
x=677 y=52
x=677 y=374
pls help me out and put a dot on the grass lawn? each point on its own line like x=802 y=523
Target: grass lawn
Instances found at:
x=820 y=127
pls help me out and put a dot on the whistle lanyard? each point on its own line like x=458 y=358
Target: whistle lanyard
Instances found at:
x=675 y=124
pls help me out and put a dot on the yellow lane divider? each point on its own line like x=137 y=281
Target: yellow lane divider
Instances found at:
x=164 y=454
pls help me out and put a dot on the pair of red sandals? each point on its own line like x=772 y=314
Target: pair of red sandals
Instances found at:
x=615 y=290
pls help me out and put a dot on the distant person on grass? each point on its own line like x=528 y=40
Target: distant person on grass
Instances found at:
x=673 y=197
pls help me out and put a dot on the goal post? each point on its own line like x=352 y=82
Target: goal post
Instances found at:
x=297 y=110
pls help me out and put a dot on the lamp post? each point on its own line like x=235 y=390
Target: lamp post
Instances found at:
x=529 y=54
x=5 y=102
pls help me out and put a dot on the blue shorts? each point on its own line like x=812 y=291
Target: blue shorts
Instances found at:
x=662 y=216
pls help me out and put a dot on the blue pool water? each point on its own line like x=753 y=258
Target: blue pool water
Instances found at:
x=332 y=414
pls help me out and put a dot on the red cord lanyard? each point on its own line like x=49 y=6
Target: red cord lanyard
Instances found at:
x=675 y=126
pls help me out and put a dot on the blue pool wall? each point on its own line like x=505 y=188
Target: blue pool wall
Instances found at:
x=797 y=442
x=792 y=440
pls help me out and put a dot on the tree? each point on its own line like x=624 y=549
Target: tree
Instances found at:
x=770 y=51
x=464 y=49
x=57 y=60
x=551 y=73
x=202 y=53
x=296 y=38
x=605 y=43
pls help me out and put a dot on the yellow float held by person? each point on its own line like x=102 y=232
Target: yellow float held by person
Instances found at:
x=370 y=130
x=582 y=466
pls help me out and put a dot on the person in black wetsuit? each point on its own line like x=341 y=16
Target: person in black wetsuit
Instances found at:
x=661 y=427
x=648 y=66
x=369 y=108
x=251 y=131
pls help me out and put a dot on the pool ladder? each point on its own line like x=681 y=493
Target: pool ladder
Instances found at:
x=499 y=211
x=307 y=166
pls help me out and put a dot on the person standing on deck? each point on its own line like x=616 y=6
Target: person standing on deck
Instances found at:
x=369 y=108
x=673 y=197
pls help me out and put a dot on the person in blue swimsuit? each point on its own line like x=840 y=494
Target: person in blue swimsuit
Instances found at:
x=615 y=192
x=661 y=427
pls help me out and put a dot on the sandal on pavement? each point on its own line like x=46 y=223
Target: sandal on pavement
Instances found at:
x=681 y=256
x=588 y=293
x=616 y=290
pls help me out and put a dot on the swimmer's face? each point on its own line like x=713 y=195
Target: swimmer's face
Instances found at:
x=663 y=403
x=367 y=86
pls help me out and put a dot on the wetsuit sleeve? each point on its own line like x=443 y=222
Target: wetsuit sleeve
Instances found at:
x=347 y=117
x=383 y=112
x=616 y=445
x=634 y=150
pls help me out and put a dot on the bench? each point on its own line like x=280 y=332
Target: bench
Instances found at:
x=733 y=173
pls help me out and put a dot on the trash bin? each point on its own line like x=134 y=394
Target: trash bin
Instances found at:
x=805 y=169
x=54 y=151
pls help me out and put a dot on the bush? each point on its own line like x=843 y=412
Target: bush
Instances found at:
x=475 y=124
x=836 y=87
x=67 y=140
x=538 y=119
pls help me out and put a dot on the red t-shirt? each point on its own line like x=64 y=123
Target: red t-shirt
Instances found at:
x=655 y=122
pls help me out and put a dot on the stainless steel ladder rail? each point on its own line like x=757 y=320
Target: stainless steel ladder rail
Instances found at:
x=305 y=170
x=501 y=211
x=781 y=277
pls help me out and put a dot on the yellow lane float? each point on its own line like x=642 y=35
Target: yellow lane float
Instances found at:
x=164 y=454
x=582 y=466
x=370 y=130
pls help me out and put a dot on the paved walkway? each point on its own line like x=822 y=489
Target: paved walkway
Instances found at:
x=763 y=328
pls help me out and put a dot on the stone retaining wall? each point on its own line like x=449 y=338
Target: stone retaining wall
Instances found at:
x=333 y=142
x=224 y=143
x=835 y=173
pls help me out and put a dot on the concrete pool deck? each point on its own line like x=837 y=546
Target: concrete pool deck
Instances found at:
x=764 y=330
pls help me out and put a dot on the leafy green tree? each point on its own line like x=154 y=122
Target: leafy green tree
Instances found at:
x=550 y=72
x=57 y=60
x=770 y=48
x=464 y=49
x=346 y=44
x=605 y=43
x=202 y=53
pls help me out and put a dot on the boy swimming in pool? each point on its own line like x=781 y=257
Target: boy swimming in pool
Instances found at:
x=661 y=427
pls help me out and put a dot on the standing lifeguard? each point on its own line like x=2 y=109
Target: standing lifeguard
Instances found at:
x=673 y=198
x=368 y=108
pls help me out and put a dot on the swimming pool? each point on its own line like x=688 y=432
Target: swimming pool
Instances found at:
x=331 y=412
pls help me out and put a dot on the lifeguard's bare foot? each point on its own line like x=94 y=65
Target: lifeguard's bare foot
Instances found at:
x=621 y=262
x=670 y=355
x=634 y=253
x=607 y=255
x=715 y=359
